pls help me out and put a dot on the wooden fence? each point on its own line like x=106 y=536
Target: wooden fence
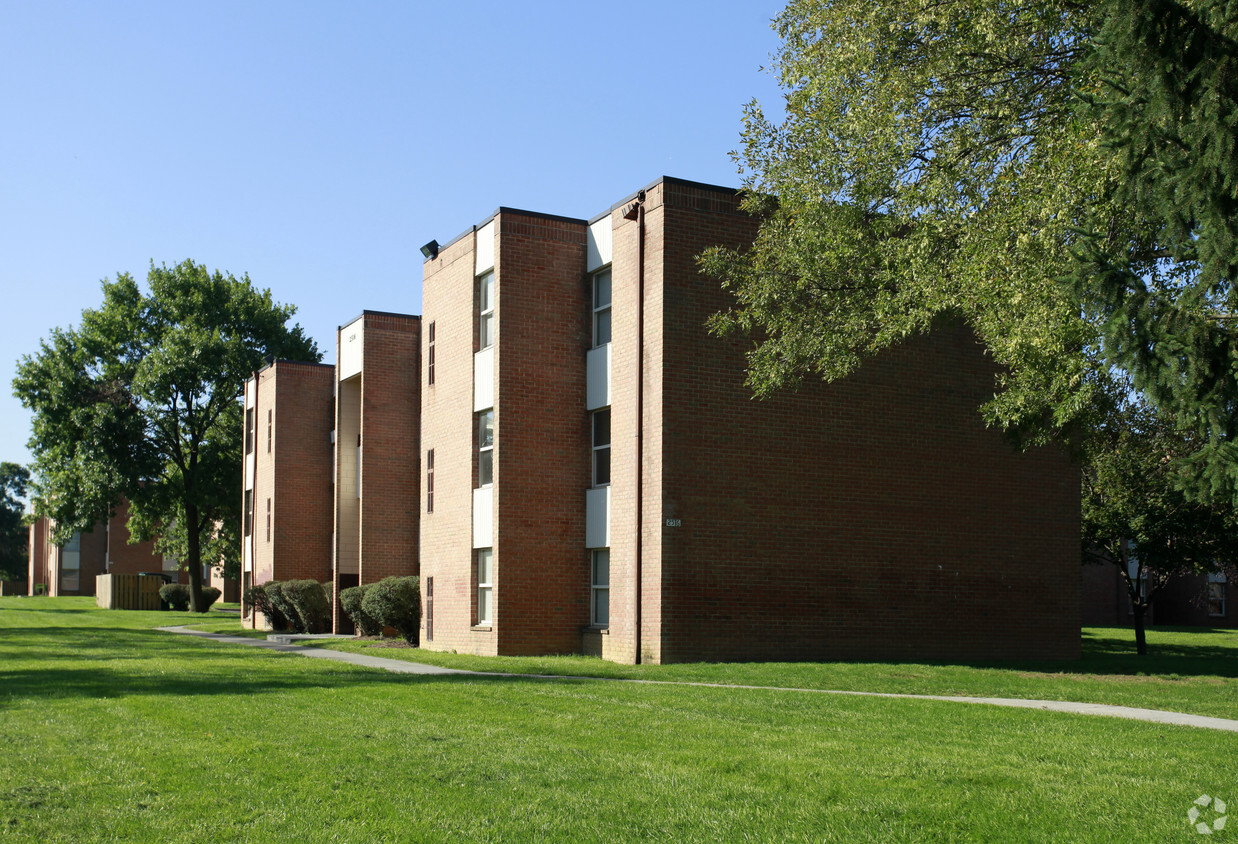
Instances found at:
x=127 y=591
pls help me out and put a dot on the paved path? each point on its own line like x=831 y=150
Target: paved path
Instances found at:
x=285 y=644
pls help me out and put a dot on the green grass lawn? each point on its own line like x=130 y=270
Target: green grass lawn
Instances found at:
x=112 y=731
x=1188 y=670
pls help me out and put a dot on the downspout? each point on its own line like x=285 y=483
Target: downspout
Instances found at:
x=637 y=211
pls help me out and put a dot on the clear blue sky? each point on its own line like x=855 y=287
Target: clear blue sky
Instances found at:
x=316 y=146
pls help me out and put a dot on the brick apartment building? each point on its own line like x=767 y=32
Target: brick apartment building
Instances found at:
x=71 y=568
x=330 y=480
x=1208 y=600
x=377 y=430
x=597 y=477
x=572 y=463
x=286 y=524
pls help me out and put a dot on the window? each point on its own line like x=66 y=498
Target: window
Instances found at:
x=358 y=465
x=485 y=448
x=485 y=585
x=247 y=518
x=268 y=520
x=601 y=446
x=269 y=417
x=249 y=430
x=430 y=358
x=599 y=590
x=430 y=481
x=429 y=609
x=1216 y=594
x=71 y=563
x=601 y=308
x=485 y=324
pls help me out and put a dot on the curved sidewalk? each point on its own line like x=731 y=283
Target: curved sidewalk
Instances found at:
x=399 y=666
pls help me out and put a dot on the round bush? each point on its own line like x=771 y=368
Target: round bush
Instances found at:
x=351 y=600
x=311 y=604
x=209 y=596
x=396 y=602
x=176 y=596
x=283 y=607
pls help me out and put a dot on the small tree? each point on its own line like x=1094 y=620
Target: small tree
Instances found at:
x=1135 y=512
x=14 y=534
x=396 y=602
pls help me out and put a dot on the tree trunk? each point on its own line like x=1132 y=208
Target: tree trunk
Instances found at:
x=1141 y=641
x=193 y=532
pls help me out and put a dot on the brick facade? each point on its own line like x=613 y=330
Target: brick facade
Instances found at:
x=377 y=422
x=1183 y=602
x=288 y=474
x=871 y=518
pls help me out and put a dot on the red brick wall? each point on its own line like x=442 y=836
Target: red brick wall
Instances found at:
x=1103 y=598
x=872 y=518
x=390 y=440
x=38 y=555
x=542 y=443
x=447 y=427
x=297 y=470
x=126 y=558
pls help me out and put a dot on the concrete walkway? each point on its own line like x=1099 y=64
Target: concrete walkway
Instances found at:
x=286 y=644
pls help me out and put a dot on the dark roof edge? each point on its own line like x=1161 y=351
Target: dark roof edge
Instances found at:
x=672 y=180
x=379 y=313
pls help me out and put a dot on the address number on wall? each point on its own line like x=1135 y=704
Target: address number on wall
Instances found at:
x=674 y=522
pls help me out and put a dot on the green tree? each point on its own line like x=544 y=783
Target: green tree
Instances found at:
x=14 y=535
x=931 y=162
x=968 y=158
x=1135 y=512
x=140 y=401
x=1166 y=99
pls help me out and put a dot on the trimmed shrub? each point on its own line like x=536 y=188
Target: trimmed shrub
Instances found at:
x=351 y=600
x=283 y=605
x=209 y=596
x=310 y=601
x=176 y=596
x=396 y=602
x=257 y=598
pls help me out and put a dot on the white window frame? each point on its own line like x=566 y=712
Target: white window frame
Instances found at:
x=71 y=576
x=485 y=310
x=485 y=449
x=485 y=586
x=601 y=451
x=1217 y=582
x=599 y=589
x=602 y=310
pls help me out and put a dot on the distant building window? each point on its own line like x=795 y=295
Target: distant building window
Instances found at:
x=269 y=430
x=249 y=430
x=268 y=520
x=485 y=585
x=485 y=448
x=430 y=480
x=599 y=590
x=430 y=358
x=1216 y=594
x=601 y=308
x=485 y=300
x=71 y=564
x=247 y=517
x=601 y=446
